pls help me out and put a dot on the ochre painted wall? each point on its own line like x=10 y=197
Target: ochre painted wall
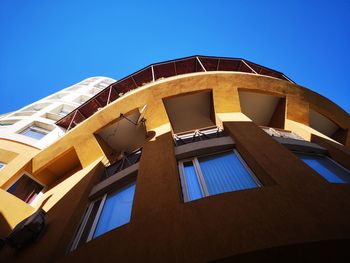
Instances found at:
x=12 y=211
x=16 y=156
x=294 y=206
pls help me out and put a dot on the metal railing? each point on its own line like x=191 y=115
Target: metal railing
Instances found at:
x=159 y=71
x=125 y=162
x=275 y=132
x=198 y=135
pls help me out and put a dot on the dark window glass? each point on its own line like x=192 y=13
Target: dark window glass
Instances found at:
x=25 y=189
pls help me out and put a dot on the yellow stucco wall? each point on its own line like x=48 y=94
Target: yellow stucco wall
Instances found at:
x=16 y=156
x=12 y=211
x=57 y=191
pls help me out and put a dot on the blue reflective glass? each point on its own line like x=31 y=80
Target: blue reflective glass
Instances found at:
x=116 y=210
x=225 y=173
x=328 y=169
x=192 y=184
x=33 y=134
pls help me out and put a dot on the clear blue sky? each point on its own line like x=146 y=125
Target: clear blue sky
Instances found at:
x=48 y=45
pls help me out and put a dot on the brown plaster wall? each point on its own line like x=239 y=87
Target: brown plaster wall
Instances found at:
x=297 y=208
x=327 y=251
x=342 y=136
x=267 y=157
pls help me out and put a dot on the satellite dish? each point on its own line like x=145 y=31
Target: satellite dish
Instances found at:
x=141 y=118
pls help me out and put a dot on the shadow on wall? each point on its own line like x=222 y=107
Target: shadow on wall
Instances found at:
x=45 y=201
x=5 y=228
x=321 y=251
x=62 y=220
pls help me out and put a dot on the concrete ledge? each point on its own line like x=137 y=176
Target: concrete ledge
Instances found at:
x=203 y=147
x=300 y=146
x=113 y=181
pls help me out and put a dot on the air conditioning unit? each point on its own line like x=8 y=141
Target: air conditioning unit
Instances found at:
x=27 y=230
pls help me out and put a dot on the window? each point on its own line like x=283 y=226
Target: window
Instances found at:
x=106 y=213
x=215 y=174
x=326 y=167
x=64 y=112
x=35 y=132
x=26 y=189
x=2 y=165
x=5 y=123
x=81 y=99
x=36 y=107
x=58 y=96
x=103 y=84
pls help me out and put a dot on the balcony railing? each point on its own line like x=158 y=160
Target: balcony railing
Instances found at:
x=158 y=71
x=198 y=135
x=122 y=164
x=274 y=132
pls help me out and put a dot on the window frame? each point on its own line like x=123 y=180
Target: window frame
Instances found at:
x=129 y=179
x=86 y=217
x=36 y=128
x=327 y=157
x=200 y=177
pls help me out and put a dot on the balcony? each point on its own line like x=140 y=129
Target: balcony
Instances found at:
x=159 y=71
x=124 y=162
x=198 y=135
x=280 y=133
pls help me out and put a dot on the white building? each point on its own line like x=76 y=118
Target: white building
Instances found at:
x=35 y=124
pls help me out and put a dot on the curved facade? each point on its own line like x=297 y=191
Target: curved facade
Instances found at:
x=208 y=163
x=35 y=124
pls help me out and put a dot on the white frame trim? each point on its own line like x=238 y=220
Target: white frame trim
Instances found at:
x=183 y=181
x=200 y=177
x=35 y=128
x=81 y=227
x=86 y=217
x=97 y=218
